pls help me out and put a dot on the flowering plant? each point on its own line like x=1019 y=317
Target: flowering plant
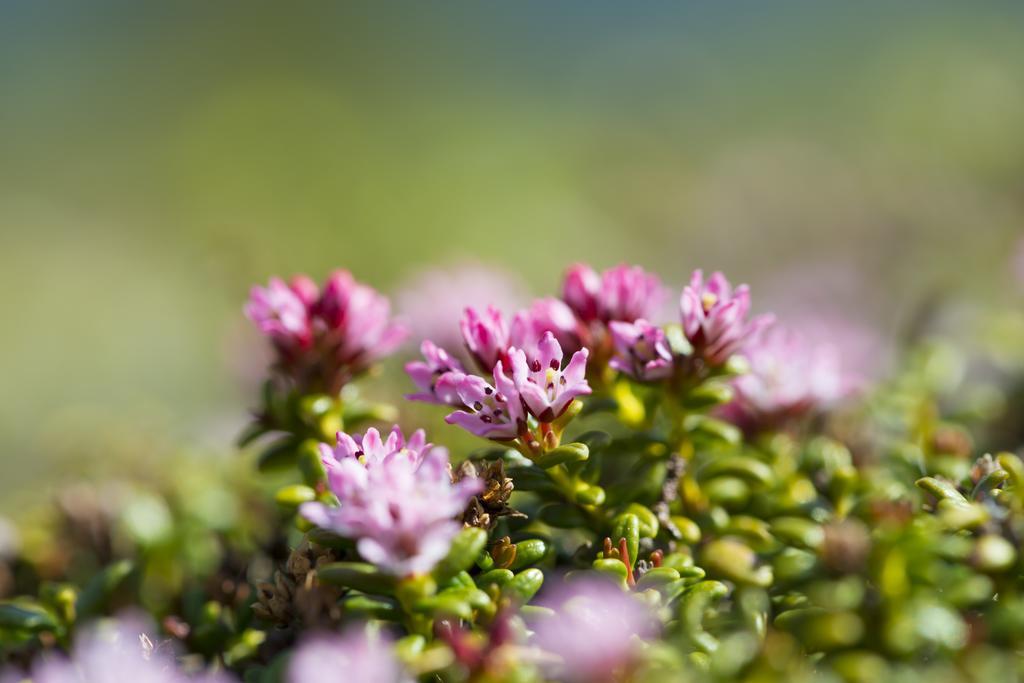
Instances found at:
x=712 y=497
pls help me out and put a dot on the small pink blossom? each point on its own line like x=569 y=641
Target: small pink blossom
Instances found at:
x=281 y=312
x=545 y=388
x=486 y=335
x=435 y=376
x=396 y=499
x=357 y=656
x=355 y=319
x=593 y=633
x=641 y=350
x=715 y=318
x=491 y=411
x=619 y=293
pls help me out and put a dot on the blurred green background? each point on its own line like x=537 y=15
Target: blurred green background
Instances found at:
x=156 y=159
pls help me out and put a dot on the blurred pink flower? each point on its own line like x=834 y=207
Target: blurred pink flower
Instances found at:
x=790 y=376
x=619 y=293
x=716 y=319
x=433 y=301
x=641 y=350
x=323 y=340
x=592 y=631
x=396 y=498
x=116 y=653
x=357 y=656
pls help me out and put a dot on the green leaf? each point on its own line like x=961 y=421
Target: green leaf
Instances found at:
x=595 y=440
x=280 y=455
x=657 y=578
x=358 y=575
x=464 y=551
x=529 y=552
x=27 y=616
x=742 y=466
x=523 y=586
x=564 y=454
x=495 y=577
x=711 y=432
x=612 y=568
x=97 y=593
x=708 y=395
x=293 y=496
x=370 y=607
x=649 y=525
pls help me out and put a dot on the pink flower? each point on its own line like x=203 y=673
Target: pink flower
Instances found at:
x=715 y=318
x=395 y=498
x=789 y=377
x=115 y=653
x=545 y=388
x=357 y=656
x=619 y=293
x=546 y=315
x=641 y=350
x=324 y=339
x=486 y=335
x=356 y=321
x=281 y=312
x=594 y=630
x=435 y=376
x=491 y=411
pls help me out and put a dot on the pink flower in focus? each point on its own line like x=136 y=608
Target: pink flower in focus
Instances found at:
x=715 y=318
x=789 y=377
x=395 y=498
x=435 y=376
x=545 y=388
x=493 y=412
x=357 y=656
x=619 y=293
x=281 y=312
x=641 y=350
x=115 y=654
x=592 y=631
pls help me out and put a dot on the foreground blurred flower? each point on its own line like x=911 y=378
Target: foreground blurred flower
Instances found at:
x=619 y=293
x=396 y=498
x=357 y=656
x=715 y=317
x=790 y=377
x=324 y=339
x=115 y=653
x=641 y=350
x=592 y=631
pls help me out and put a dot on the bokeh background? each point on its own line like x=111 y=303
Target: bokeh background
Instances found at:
x=158 y=158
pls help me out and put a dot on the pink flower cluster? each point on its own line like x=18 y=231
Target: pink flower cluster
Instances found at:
x=395 y=497
x=790 y=376
x=520 y=380
x=324 y=338
x=715 y=320
x=113 y=653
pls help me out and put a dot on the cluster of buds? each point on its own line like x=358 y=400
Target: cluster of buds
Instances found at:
x=395 y=498
x=322 y=339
